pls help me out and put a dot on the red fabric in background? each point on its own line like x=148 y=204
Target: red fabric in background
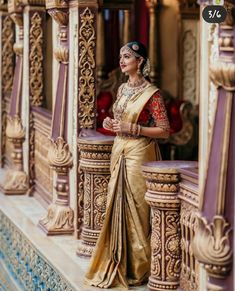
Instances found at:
x=173 y=112
x=104 y=103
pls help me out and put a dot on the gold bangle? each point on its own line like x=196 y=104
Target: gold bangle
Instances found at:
x=135 y=129
x=138 y=129
x=131 y=128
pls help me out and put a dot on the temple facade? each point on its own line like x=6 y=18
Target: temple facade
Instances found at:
x=59 y=64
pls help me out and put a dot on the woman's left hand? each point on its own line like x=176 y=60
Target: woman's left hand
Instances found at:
x=121 y=126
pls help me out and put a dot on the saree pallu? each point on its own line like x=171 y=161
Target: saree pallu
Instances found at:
x=122 y=254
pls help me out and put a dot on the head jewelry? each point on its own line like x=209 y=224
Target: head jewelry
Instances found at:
x=137 y=49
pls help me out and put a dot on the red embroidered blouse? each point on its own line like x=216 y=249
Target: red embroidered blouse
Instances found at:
x=154 y=113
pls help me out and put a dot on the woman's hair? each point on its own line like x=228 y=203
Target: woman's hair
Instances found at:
x=139 y=50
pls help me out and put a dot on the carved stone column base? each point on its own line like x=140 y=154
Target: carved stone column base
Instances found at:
x=85 y=250
x=59 y=220
x=15 y=183
x=88 y=242
x=155 y=285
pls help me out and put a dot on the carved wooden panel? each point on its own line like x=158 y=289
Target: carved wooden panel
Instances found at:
x=43 y=173
x=189 y=51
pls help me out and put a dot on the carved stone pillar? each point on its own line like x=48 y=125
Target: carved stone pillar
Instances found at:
x=85 y=49
x=162 y=180
x=7 y=71
x=33 y=82
x=154 y=41
x=127 y=26
x=95 y=163
x=213 y=241
x=60 y=216
x=16 y=180
x=87 y=34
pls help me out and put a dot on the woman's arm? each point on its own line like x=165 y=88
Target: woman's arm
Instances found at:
x=155 y=132
x=125 y=127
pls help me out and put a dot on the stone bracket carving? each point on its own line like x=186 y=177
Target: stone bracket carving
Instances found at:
x=212 y=247
x=60 y=16
x=62 y=55
x=59 y=220
x=223 y=74
x=14 y=129
x=59 y=156
x=15 y=182
x=60 y=215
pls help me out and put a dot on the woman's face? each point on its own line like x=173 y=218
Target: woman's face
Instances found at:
x=128 y=62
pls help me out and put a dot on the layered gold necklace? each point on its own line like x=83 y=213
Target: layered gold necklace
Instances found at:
x=127 y=91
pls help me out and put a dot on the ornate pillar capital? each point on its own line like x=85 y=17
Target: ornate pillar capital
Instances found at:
x=15 y=9
x=152 y=4
x=57 y=4
x=15 y=6
x=3 y=5
x=223 y=75
x=60 y=15
x=33 y=2
x=14 y=129
x=16 y=180
x=59 y=11
x=212 y=247
x=86 y=3
x=59 y=156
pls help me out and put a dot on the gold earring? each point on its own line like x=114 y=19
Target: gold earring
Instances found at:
x=139 y=71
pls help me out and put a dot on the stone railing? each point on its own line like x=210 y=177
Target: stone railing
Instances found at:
x=172 y=261
x=173 y=198
x=188 y=194
x=94 y=166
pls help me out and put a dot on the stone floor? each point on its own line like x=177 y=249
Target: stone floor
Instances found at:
x=60 y=251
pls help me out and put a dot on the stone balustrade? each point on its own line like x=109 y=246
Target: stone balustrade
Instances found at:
x=95 y=155
x=162 y=180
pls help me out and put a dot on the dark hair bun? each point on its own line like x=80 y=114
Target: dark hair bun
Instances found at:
x=138 y=48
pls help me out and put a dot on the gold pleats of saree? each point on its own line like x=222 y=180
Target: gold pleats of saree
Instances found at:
x=122 y=254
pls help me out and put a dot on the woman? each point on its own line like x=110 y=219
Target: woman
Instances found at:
x=122 y=254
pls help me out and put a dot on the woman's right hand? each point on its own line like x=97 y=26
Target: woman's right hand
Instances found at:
x=107 y=123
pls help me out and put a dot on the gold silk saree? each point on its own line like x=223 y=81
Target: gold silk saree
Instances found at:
x=122 y=254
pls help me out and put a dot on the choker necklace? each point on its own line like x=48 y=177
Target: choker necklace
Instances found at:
x=137 y=83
